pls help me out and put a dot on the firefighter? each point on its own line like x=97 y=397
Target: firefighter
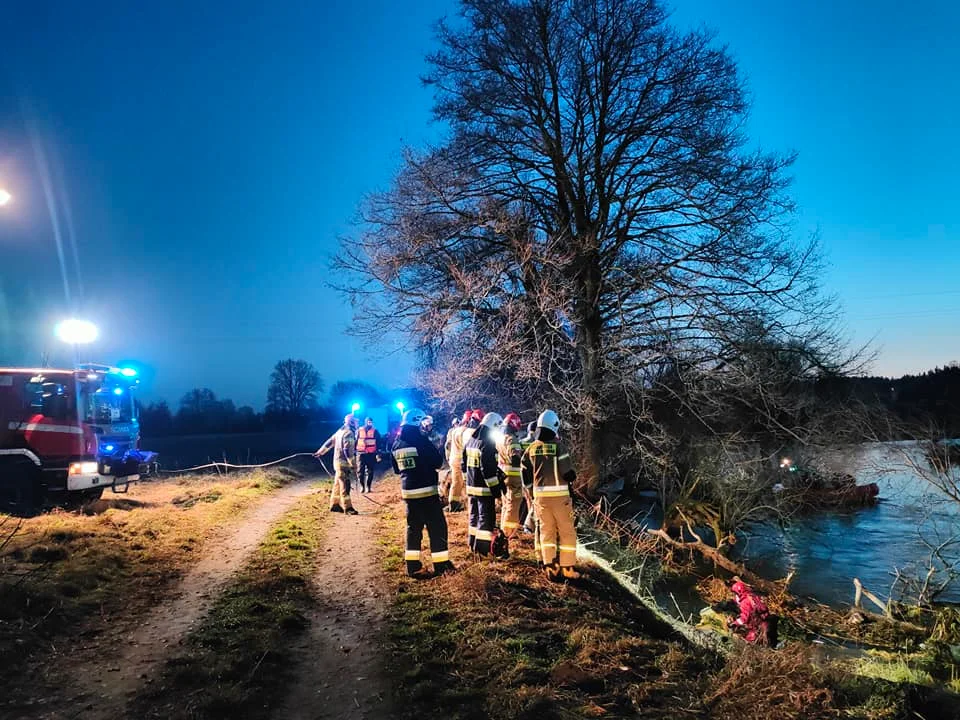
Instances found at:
x=417 y=461
x=484 y=485
x=447 y=477
x=432 y=435
x=527 y=512
x=344 y=445
x=548 y=471
x=455 y=459
x=509 y=452
x=755 y=623
x=368 y=449
x=454 y=424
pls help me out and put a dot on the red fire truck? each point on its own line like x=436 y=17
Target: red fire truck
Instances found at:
x=66 y=435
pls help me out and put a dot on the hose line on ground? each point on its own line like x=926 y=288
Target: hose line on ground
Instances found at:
x=226 y=465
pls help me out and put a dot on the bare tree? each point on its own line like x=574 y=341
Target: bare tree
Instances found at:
x=595 y=234
x=294 y=385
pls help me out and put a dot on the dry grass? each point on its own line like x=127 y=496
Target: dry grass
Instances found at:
x=758 y=684
x=499 y=640
x=65 y=572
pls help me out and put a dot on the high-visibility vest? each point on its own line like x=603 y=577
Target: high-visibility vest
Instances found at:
x=366 y=440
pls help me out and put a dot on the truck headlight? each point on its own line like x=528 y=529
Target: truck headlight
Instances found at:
x=83 y=468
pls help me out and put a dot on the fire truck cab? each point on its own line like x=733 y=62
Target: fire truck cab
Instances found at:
x=67 y=434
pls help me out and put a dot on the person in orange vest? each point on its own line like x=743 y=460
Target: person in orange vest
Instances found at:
x=344 y=445
x=368 y=450
x=548 y=472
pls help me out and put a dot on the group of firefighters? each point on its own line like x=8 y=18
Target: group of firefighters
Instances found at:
x=488 y=460
x=532 y=476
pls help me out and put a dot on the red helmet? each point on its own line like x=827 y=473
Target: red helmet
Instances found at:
x=467 y=414
x=512 y=421
x=477 y=414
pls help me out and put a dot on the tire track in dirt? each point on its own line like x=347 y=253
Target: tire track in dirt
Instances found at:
x=341 y=663
x=135 y=652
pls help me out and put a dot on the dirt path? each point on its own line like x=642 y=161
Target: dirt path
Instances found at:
x=107 y=682
x=341 y=664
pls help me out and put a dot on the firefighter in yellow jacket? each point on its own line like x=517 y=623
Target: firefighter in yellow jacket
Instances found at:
x=548 y=472
x=344 y=445
x=458 y=441
x=509 y=453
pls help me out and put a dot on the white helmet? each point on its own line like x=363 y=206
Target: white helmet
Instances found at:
x=548 y=419
x=491 y=420
x=413 y=417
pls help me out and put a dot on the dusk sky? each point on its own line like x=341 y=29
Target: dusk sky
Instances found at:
x=208 y=155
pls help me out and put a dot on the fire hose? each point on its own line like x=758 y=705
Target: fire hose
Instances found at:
x=232 y=466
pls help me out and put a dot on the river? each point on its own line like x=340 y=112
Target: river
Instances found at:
x=828 y=549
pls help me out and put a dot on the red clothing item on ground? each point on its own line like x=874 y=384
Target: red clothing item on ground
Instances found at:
x=754 y=615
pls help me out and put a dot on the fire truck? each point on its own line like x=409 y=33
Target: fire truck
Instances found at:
x=66 y=435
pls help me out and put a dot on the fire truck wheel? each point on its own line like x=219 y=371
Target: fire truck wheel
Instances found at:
x=77 y=499
x=20 y=491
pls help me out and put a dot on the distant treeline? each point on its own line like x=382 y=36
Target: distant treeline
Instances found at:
x=930 y=400
x=292 y=404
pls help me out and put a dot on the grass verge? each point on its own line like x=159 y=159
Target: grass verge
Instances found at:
x=236 y=664
x=63 y=574
x=499 y=640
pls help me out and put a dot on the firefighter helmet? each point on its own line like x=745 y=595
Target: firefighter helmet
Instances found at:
x=491 y=420
x=548 y=419
x=512 y=422
x=477 y=414
x=467 y=414
x=427 y=423
x=350 y=420
x=413 y=417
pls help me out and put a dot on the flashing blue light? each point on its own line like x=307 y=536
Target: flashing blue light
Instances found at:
x=128 y=372
x=118 y=391
x=355 y=407
x=108 y=448
x=400 y=406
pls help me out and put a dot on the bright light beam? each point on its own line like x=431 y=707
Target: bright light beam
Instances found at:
x=5 y=197
x=76 y=332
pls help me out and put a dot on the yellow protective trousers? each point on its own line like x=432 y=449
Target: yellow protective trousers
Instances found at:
x=510 y=513
x=458 y=484
x=557 y=534
x=340 y=493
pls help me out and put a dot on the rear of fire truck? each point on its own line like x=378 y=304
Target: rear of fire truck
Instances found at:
x=51 y=450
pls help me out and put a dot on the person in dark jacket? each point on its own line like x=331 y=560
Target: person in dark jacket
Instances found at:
x=417 y=461
x=484 y=485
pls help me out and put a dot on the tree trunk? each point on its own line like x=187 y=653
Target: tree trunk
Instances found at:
x=591 y=353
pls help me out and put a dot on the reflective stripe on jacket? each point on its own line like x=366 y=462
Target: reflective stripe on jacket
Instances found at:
x=416 y=460
x=509 y=453
x=545 y=464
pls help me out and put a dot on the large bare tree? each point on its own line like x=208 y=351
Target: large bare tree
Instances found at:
x=294 y=385
x=594 y=230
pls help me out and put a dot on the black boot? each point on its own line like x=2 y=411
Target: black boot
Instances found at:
x=336 y=508
x=443 y=568
x=351 y=511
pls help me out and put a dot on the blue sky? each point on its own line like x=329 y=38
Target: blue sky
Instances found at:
x=211 y=154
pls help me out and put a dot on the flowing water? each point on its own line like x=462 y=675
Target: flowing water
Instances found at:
x=828 y=549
